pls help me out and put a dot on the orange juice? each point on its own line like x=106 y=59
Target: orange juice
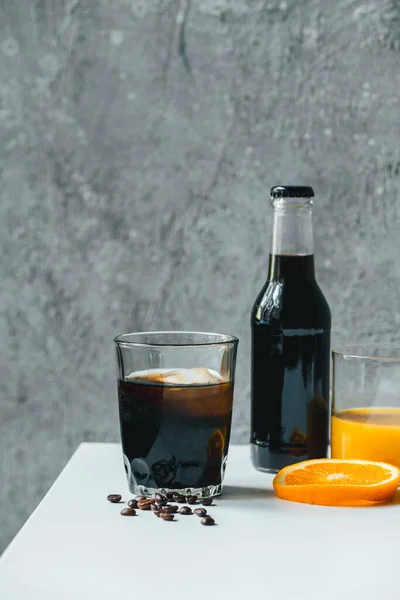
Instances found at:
x=367 y=433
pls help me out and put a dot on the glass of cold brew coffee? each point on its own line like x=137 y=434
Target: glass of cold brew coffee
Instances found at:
x=175 y=394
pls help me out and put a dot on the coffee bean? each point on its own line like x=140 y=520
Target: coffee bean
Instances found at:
x=145 y=504
x=169 y=495
x=208 y=521
x=206 y=501
x=170 y=509
x=132 y=503
x=185 y=510
x=114 y=498
x=191 y=499
x=179 y=498
x=166 y=516
x=138 y=498
x=200 y=512
x=128 y=512
x=156 y=509
x=159 y=497
x=161 y=501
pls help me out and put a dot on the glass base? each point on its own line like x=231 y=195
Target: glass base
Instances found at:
x=203 y=492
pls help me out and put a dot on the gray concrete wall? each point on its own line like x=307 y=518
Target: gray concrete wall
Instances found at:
x=138 y=142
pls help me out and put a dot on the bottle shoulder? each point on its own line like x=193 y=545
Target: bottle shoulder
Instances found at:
x=292 y=304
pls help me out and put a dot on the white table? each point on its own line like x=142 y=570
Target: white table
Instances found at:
x=76 y=546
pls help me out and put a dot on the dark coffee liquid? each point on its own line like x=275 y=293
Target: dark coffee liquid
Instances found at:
x=175 y=437
x=291 y=324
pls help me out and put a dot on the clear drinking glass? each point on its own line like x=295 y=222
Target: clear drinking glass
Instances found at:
x=175 y=393
x=366 y=403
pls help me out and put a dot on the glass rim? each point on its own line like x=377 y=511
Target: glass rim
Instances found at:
x=360 y=351
x=224 y=339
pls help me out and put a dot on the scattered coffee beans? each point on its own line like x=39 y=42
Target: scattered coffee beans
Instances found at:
x=114 y=498
x=160 y=507
x=185 y=510
x=128 y=512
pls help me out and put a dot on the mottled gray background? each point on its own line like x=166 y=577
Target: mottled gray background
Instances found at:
x=138 y=142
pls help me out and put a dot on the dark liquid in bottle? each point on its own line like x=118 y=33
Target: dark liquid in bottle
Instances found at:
x=174 y=437
x=291 y=324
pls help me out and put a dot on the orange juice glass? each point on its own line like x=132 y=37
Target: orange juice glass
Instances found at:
x=365 y=421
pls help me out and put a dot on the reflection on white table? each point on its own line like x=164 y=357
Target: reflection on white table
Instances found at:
x=76 y=546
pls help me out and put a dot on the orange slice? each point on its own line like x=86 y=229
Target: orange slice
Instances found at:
x=332 y=482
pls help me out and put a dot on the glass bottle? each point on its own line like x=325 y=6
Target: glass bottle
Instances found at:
x=291 y=327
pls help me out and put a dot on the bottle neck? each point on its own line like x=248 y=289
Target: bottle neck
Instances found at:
x=292 y=252
x=293 y=267
x=292 y=231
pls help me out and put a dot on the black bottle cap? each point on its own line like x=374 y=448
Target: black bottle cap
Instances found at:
x=292 y=191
